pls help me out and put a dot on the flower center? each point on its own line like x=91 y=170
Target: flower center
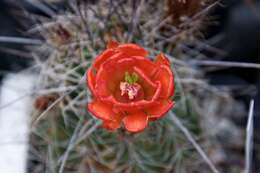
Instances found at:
x=131 y=90
x=129 y=87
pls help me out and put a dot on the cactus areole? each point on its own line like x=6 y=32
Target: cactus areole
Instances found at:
x=128 y=88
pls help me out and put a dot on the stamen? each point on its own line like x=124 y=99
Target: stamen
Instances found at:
x=130 y=89
x=123 y=86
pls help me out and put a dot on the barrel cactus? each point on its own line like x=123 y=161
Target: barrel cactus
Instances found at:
x=66 y=137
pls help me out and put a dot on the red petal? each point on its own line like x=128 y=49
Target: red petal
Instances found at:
x=112 y=72
x=135 y=105
x=132 y=50
x=136 y=122
x=91 y=80
x=111 y=125
x=115 y=123
x=144 y=77
x=100 y=59
x=112 y=44
x=165 y=76
x=101 y=110
x=109 y=75
x=149 y=87
x=161 y=59
x=147 y=66
x=160 y=109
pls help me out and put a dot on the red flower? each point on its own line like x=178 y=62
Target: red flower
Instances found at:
x=128 y=87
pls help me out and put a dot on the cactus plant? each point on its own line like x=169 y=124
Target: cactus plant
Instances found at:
x=66 y=138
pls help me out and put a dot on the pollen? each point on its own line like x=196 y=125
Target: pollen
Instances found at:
x=131 y=90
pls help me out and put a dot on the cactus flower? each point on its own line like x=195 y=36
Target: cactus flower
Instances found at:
x=128 y=88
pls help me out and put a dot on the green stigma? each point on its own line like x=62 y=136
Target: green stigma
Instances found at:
x=131 y=78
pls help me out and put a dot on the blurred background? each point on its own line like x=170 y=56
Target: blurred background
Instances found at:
x=234 y=33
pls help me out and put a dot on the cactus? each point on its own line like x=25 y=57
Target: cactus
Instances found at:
x=65 y=138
